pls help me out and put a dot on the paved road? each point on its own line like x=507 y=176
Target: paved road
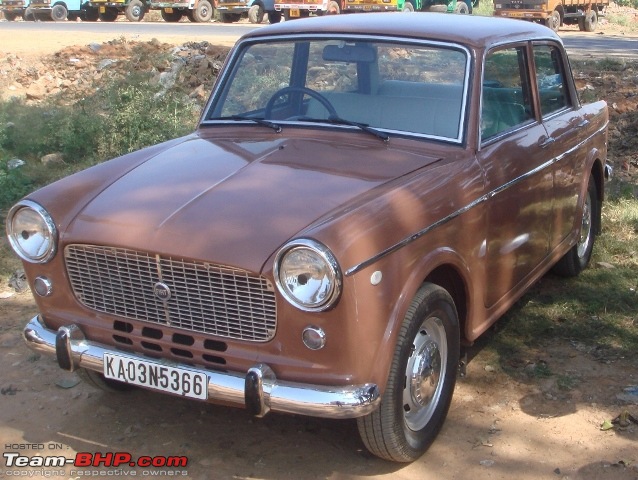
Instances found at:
x=579 y=45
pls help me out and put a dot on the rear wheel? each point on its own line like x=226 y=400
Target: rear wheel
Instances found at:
x=421 y=381
x=203 y=11
x=553 y=21
x=172 y=17
x=135 y=11
x=91 y=14
x=579 y=255
x=59 y=13
x=256 y=14
x=10 y=16
x=230 y=17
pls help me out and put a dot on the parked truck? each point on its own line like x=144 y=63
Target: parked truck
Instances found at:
x=256 y=10
x=302 y=8
x=449 y=6
x=61 y=10
x=199 y=11
x=13 y=9
x=109 y=10
x=554 y=13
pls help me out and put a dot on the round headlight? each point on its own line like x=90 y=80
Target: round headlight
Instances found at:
x=31 y=231
x=308 y=275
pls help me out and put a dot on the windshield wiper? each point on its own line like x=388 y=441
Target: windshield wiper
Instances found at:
x=342 y=121
x=261 y=121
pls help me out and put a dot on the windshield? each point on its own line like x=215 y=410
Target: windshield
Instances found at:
x=385 y=85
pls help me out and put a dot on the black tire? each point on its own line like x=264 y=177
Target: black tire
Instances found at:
x=110 y=15
x=274 y=17
x=578 y=257
x=98 y=380
x=59 y=13
x=91 y=14
x=172 y=17
x=29 y=15
x=590 y=21
x=256 y=14
x=422 y=376
x=553 y=21
x=461 y=8
x=203 y=11
x=229 y=17
x=333 y=8
x=189 y=15
x=135 y=11
x=408 y=7
x=10 y=16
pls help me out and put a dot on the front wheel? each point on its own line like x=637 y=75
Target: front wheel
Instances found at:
x=579 y=255
x=135 y=11
x=421 y=381
x=590 y=21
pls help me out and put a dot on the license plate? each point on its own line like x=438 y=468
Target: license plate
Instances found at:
x=179 y=381
x=294 y=12
x=168 y=10
x=102 y=9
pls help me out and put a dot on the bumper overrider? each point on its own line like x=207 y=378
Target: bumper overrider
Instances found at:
x=258 y=390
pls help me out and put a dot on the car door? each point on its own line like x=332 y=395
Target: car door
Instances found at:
x=514 y=153
x=565 y=124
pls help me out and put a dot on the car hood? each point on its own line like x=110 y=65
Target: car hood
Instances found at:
x=234 y=201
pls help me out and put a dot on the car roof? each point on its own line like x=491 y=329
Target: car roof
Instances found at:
x=471 y=30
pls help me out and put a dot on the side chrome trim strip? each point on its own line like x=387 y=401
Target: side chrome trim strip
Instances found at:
x=393 y=248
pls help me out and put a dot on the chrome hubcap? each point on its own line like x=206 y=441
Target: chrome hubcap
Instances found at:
x=424 y=374
x=585 y=228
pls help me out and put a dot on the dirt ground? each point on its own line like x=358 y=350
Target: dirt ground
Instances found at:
x=499 y=426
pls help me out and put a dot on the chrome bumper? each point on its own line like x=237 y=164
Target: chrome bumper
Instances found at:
x=258 y=390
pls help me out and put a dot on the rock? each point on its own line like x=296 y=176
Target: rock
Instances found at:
x=107 y=62
x=18 y=281
x=36 y=92
x=52 y=158
x=605 y=265
x=15 y=163
x=95 y=47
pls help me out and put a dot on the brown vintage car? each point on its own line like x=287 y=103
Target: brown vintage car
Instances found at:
x=364 y=196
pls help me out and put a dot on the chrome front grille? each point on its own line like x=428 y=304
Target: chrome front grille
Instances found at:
x=202 y=297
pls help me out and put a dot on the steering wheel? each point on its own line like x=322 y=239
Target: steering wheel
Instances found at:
x=306 y=91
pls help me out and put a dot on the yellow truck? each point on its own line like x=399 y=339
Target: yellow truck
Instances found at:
x=554 y=13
